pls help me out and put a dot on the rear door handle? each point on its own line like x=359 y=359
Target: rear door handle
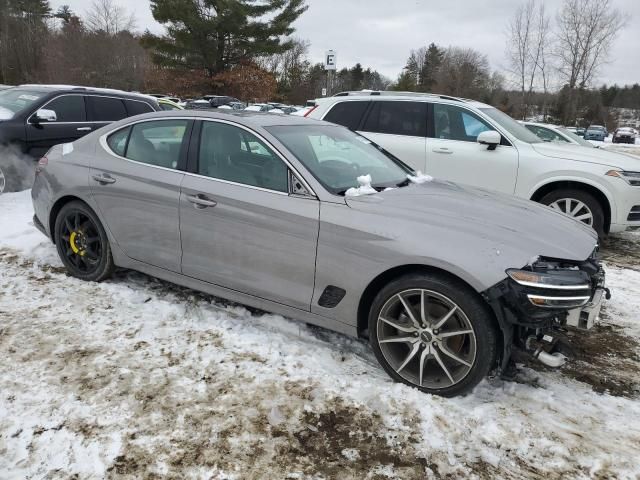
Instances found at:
x=443 y=150
x=104 y=179
x=83 y=129
x=201 y=201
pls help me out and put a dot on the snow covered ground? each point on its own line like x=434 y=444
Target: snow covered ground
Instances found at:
x=136 y=378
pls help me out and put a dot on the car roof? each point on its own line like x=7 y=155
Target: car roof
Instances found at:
x=81 y=89
x=377 y=95
x=243 y=117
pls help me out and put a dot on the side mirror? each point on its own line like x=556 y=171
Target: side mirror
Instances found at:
x=490 y=138
x=44 y=115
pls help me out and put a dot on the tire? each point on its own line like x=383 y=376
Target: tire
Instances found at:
x=557 y=201
x=442 y=374
x=82 y=243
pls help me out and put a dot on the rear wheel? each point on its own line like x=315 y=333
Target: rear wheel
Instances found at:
x=82 y=243
x=433 y=333
x=577 y=204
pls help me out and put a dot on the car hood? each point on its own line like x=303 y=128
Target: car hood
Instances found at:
x=483 y=216
x=586 y=154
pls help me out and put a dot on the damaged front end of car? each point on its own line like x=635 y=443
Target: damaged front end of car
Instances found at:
x=536 y=303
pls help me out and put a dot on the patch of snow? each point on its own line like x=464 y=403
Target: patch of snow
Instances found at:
x=420 y=177
x=136 y=378
x=365 y=187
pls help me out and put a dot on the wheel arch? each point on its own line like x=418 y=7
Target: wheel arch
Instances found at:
x=391 y=274
x=602 y=197
x=55 y=210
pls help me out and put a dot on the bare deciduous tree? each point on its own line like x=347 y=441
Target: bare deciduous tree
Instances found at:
x=586 y=31
x=527 y=48
x=109 y=17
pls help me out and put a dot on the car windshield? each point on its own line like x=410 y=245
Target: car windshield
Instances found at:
x=15 y=100
x=510 y=125
x=576 y=138
x=337 y=157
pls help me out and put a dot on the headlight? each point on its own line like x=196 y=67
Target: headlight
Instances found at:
x=632 y=178
x=565 y=289
x=565 y=280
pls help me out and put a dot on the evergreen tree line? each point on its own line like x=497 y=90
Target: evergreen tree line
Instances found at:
x=247 y=49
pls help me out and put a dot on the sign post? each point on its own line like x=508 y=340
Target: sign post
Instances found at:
x=330 y=65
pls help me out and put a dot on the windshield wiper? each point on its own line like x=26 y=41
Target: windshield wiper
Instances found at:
x=404 y=183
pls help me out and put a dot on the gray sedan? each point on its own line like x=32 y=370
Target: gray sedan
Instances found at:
x=309 y=220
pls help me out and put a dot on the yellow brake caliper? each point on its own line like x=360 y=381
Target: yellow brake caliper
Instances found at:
x=74 y=247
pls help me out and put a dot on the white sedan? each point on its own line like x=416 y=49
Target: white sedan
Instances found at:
x=554 y=133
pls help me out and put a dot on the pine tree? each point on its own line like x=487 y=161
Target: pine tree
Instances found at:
x=216 y=35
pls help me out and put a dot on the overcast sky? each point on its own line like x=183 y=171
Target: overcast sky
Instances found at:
x=380 y=33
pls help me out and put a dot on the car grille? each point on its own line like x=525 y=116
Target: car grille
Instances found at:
x=634 y=215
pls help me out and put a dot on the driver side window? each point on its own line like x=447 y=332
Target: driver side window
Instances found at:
x=233 y=154
x=68 y=108
x=455 y=123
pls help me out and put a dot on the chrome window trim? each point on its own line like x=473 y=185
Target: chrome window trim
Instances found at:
x=103 y=143
x=433 y=101
x=85 y=94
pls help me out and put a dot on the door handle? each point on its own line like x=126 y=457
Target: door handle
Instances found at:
x=201 y=201
x=83 y=129
x=103 y=179
x=442 y=150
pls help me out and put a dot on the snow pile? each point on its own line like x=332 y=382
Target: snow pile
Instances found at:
x=420 y=177
x=365 y=187
x=137 y=378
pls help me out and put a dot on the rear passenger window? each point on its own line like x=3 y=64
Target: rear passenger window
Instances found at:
x=157 y=143
x=68 y=108
x=398 y=118
x=347 y=114
x=104 y=109
x=137 y=108
x=118 y=141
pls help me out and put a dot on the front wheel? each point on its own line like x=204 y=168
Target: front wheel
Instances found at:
x=433 y=333
x=579 y=205
x=82 y=243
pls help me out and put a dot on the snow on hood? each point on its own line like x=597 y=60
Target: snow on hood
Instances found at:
x=589 y=155
x=420 y=177
x=365 y=187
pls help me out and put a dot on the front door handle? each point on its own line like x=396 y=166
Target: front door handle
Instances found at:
x=83 y=129
x=104 y=179
x=446 y=151
x=201 y=201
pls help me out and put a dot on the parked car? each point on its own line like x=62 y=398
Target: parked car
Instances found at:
x=219 y=100
x=554 y=133
x=166 y=104
x=263 y=107
x=198 y=105
x=596 y=132
x=33 y=118
x=444 y=280
x=624 y=135
x=475 y=144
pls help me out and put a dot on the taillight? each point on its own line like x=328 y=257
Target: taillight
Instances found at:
x=309 y=112
x=43 y=162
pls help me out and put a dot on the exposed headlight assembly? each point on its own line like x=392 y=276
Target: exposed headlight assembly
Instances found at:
x=632 y=178
x=564 y=289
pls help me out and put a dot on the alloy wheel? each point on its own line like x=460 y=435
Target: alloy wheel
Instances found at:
x=82 y=245
x=426 y=338
x=575 y=209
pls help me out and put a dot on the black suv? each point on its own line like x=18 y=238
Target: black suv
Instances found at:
x=33 y=118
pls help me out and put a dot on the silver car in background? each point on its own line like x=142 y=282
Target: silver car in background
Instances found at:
x=268 y=211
